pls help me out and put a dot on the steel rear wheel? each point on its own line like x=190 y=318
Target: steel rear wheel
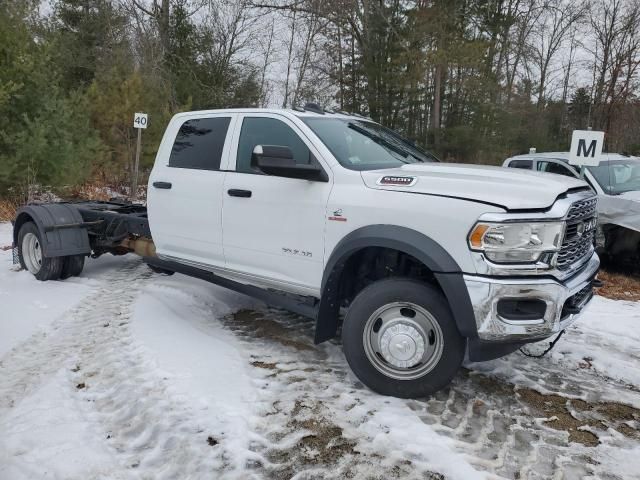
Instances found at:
x=32 y=257
x=400 y=339
x=32 y=253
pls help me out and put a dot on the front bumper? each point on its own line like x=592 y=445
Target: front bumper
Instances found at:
x=565 y=302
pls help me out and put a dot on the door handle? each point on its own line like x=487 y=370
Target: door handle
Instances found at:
x=165 y=185
x=234 y=192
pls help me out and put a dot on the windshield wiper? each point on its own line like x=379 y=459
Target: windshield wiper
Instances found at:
x=380 y=141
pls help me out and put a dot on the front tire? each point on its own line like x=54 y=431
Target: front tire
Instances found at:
x=400 y=339
x=32 y=257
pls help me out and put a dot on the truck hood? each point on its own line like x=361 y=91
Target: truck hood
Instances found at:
x=510 y=188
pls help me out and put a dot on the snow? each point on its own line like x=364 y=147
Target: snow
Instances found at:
x=29 y=306
x=400 y=433
x=48 y=437
x=605 y=341
x=122 y=373
x=608 y=336
x=201 y=360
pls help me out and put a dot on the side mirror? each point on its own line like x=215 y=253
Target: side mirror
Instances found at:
x=278 y=161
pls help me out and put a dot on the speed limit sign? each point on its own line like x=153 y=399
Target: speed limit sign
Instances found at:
x=140 y=120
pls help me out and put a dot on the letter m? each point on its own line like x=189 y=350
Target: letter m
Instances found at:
x=587 y=152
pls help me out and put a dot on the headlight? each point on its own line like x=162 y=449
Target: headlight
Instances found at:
x=517 y=242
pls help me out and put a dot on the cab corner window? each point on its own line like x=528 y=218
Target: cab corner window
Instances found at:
x=268 y=131
x=199 y=143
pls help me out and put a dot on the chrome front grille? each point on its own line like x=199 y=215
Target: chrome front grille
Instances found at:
x=582 y=209
x=577 y=243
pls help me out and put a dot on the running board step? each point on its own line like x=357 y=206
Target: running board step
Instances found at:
x=267 y=296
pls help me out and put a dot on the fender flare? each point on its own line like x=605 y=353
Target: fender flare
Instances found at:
x=424 y=249
x=72 y=239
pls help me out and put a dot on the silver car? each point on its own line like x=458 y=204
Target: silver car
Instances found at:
x=617 y=182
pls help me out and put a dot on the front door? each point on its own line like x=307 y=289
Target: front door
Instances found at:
x=274 y=226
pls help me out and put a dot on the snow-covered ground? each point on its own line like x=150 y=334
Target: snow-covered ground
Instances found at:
x=122 y=373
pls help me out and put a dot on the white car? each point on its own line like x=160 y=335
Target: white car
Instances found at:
x=616 y=181
x=338 y=218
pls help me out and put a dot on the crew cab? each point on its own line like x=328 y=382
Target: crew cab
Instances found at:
x=418 y=263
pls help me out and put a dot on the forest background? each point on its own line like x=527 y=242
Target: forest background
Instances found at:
x=470 y=80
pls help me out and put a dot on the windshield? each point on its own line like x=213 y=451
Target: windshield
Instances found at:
x=618 y=176
x=363 y=145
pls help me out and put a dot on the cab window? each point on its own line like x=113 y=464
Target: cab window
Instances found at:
x=199 y=143
x=554 y=167
x=268 y=131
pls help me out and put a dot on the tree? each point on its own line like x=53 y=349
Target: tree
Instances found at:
x=86 y=35
x=45 y=135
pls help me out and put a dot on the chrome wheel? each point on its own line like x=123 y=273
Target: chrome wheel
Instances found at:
x=403 y=340
x=32 y=253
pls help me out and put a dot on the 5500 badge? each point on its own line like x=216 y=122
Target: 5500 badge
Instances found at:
x=397 y=181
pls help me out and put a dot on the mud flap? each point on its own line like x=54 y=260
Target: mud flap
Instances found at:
x=61 y=227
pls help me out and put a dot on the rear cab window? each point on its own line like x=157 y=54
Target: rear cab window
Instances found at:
x=524 y=164
x=199 y=143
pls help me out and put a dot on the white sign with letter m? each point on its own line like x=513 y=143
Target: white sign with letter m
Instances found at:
x=586 y=148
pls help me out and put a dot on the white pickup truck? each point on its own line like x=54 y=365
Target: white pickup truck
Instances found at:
x=340 y=219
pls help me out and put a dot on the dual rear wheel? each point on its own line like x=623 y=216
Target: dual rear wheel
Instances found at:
x=33 y=259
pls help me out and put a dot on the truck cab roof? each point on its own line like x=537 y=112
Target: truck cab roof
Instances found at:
x=297 y=112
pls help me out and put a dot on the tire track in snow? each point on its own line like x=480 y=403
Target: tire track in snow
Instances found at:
x=154 y=433
x=318 y=422
x=493 y=422
x=23 y=368
x=503 y=427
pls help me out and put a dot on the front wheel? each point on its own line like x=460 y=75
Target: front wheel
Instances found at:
x=400 y=339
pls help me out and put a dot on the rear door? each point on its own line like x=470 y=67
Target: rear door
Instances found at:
x=185 y=189
x=274 y=226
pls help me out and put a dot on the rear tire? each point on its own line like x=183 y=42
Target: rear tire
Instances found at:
x=31 y=256
x=72 y=266
x=400 y=338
